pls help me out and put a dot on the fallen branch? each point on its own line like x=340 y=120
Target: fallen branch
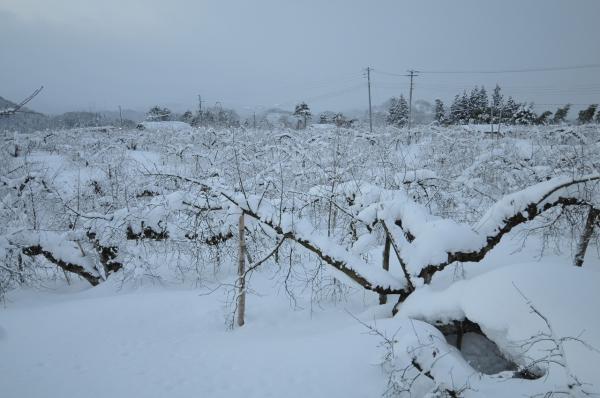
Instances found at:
x=36 y=250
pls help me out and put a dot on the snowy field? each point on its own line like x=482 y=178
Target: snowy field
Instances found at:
x=156 y=342
x=119 y=272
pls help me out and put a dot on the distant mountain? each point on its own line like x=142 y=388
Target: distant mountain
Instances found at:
x=4 y=103
x=28 y=120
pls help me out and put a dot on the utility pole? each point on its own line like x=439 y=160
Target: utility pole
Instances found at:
x=412 y=74
x=254 y=120
x=120 y=116
x=369 y=87
x=200 y=108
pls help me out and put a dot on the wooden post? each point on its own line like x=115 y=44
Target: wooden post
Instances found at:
x=241 y=299
x=386 y=264
x=586 y=235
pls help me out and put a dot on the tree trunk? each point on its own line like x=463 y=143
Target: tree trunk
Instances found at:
x=586 y=235
x=241 y=299
x=386 y=264
x=20 y=268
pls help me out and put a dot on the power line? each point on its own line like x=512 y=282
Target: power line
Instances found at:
x=499 y=71
x=560 y=104
x=389 y=73
x=521 y=89
x=327 y=95
x=525 y=70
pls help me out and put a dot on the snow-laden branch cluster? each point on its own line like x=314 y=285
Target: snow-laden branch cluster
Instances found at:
x=322 y=202
x=424 y=244
x=335 y=255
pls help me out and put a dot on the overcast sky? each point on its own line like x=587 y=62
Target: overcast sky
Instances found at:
x=98 y=54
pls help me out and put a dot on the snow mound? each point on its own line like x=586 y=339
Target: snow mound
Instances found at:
x=500 y=302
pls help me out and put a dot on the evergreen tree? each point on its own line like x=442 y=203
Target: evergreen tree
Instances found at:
x=158 y=114
x=403 y=110
x=398 y=112
x=455 y=110
x=497 y=97
x=510 y=109
x=481 y=108
x=302 y=111
x=187 y=117
x=524 y=114
x=587 y=115
x=497 y=103
x=440 y=112
x=473 y=104
x=466 y=108
x=484 y=100
x=561 y=114
x=544 y=118
x=391 y=115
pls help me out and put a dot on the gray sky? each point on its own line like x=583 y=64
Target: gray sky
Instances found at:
x=97 y=54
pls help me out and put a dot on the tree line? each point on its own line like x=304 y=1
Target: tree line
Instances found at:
x=477 y=107
x=473 y=107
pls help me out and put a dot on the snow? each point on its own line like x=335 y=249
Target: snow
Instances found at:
x=61 y=246
x=146 y=160
x=415 y=175
x=322 y=126
x=517 y=202
x=154 y=342
x=149 y=329
x=566 y=295
x=364 y=243
x=62 y=171
x=449 y=236
x=167 y=126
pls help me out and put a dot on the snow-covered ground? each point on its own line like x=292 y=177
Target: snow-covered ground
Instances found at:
x=151 y=216
x=159 y=342
x=153 y=340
